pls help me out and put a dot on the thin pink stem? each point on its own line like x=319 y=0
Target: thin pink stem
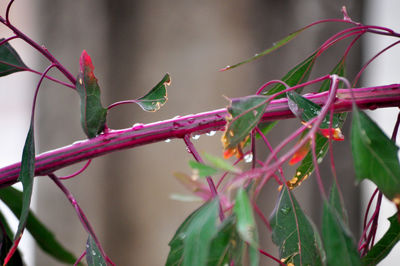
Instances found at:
x=271 y=257
x=77 y=172
x=8 y=11
x=120 y=103
x=80 y=258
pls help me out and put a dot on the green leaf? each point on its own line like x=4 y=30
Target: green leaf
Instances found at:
x=26 y=175
x=338 y=241
x=381 y=249
x=339 y=70
x=221 y=164
x=307 y=110
x=246 y=224
x=274 y=47
x=245 y=113
x=295 y=235
x=337 y=203
x=296 y=75
x=10 y=62
x=191 y=242
x=93 y=115
x=157 y=97
x=226 y=246
x=202 y=169
x=93 y=254
x=43 y=237
x=375 y=155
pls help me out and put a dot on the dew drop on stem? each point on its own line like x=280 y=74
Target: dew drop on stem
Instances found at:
x=211 y=133
x=167 y=140
x=195 y=137
x=248 y=158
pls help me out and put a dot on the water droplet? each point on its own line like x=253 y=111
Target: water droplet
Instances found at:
x=285 y=210
x=93 y=253
x=319 y=160
x=87 y=245
x=175 y=117
x=168 y=140
x=228 y=66
x=195 y=137
x=255 y=54
x=211 y=133
x=248 y=158
x=137 y=125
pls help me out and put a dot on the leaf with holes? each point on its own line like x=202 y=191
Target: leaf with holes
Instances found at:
x=10 y=61
x=381 y=249
x=26 y=175
x=245 y=113
x=295 y=235
x=226 y=246
x=93 y=115
x=246 y=224
x=299 y=74
x=274 y=47
x=43 y=237
x=338 y=242
x=375 y=155
x=156 y=97
x=93 y=254
x=191 y=242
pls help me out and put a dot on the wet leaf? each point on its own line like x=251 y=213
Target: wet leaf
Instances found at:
x=201 y=169
x=226 y=246
x=93 y=115
x=10 y=62
x=26 y=175
x=43 y=237
x=295 y=235
x=93 y=254
x=191 y=242
x=157 y=97
x=274 y=47
x=381 y=249
x=338 y=241
x=245 y=113
x=375 y=155
x=299 y=74
x=339 y=70
x=246 y=225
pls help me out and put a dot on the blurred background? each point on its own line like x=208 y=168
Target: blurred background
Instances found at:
x=126 y=195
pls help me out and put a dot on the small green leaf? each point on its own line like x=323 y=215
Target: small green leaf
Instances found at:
x=381 y=249
x=222 y=164
x=10 y=62
x=307 y=110
x=93 y=254
x=226 y=246
x=93 y=115
x=246 y=112
x=374 y=155
x=339 y=70
x=202 y=169
x=338 y=241
x=274 y=47
x=43 y=237
x=191 y=242
x=246 y=224
x=157 y=97
x=296 y=75
x=295 y=235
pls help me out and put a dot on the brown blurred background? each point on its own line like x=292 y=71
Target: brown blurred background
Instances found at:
x=133 y=44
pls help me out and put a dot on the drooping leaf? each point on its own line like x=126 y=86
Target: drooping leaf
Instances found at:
x=338 y=241
x=339 y=70
x=245 y=113
x=93 y=254
x=93 y=115
x=191 y=242
x=226 y=246
x=10 y=62
x=6 y=243
x=201 y=169
x=43 y=237
x=299 y=74
x=222 y=164
x=295 y=235
x=246 y=224
x=26 y=175
x=375 y=155
x=381 y=249
x=274 y=47
x=157 y=97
